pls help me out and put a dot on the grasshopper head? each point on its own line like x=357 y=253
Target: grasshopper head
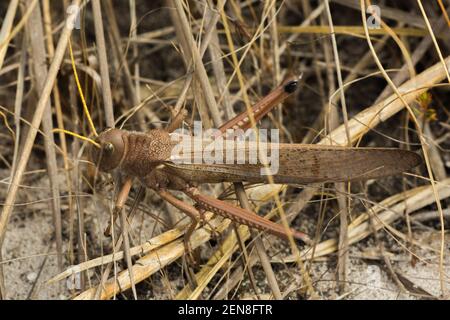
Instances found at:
x=111 y=151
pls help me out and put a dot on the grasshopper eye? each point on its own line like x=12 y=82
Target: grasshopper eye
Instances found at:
x=109 y=147
x=291 y=86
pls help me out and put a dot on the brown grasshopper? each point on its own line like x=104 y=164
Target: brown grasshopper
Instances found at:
x=147 y=156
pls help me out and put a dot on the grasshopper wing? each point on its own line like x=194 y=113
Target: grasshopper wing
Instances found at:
x=301 y=164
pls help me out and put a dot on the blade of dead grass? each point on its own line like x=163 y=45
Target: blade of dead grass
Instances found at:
x=18 y=102
x=344 y=206
x=103 y=63
x=6 y=28
x=47 y=17
x=350 y=30
x=444 y=12
x=4 y=33
x=135 y=48
x=36 y=31
x=217 y=62
x=126 y=247
x=196 y=59
x=10 y=35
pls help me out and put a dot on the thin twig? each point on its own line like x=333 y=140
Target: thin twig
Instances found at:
x=103 y=63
